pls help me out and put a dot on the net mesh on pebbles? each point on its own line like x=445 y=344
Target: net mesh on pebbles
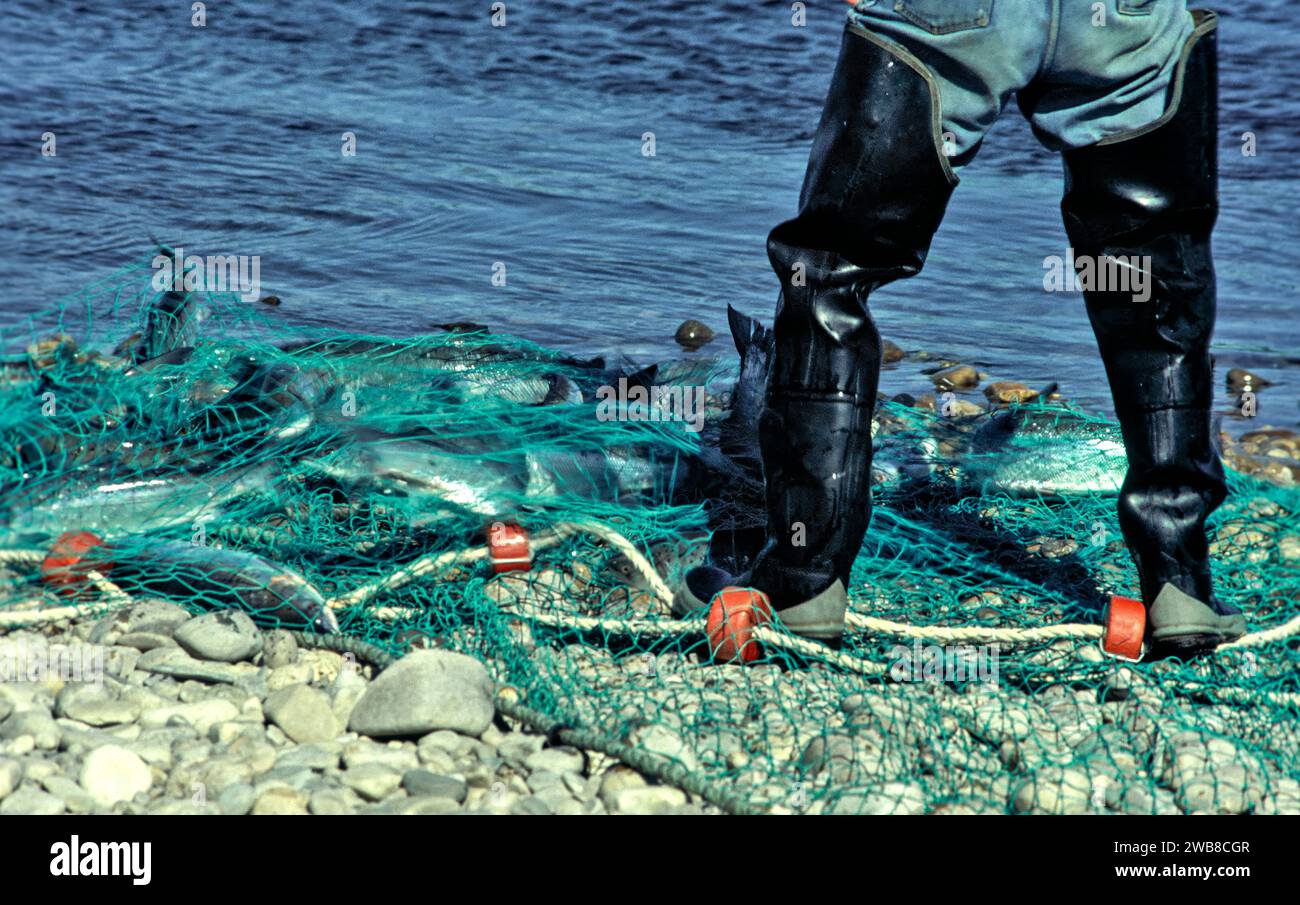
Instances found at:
x=313 y=479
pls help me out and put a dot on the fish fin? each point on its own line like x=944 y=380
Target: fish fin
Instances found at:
x=748 y=332
x=742 y=331
x=997 y=431
x=738 y=433
x=125 y=348
x=583 y=364
x=644 y=377
x=560 y=390
x=176 y=356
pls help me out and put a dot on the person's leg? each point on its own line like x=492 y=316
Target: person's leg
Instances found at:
x=1145 y=195
x=877 y=184
x=875 y=191
x=978 y=53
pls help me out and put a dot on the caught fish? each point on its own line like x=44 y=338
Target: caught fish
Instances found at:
x=172 y=320
x=728 y=470
x=219 y=578
x=454 y=352
x=465 y=474
x=486 y=384
x=1044 y=452
x=175 y=357
x=738 y=434
x=463 y=367
x=902 y=457
x=277 y=400
x=612 y=474
x=137 y=505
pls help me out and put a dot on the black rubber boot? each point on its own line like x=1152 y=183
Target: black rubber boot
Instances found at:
x=1149 y=198
x=874 y=195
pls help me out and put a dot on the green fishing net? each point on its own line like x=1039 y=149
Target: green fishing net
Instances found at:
x=212 y=453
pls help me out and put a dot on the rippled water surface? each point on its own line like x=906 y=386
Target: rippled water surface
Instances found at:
x=523 y=145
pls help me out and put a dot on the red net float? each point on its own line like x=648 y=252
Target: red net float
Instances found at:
x=1125 y=621
x=72 y=556
x=508 y=548
x=734 y=613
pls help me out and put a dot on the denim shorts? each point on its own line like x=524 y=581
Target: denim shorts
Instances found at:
x=1082 y=71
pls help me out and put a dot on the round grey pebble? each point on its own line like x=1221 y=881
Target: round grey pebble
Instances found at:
x=427 y=805
x=159 y=617
x=303 y=713
x=36 y=723
x=32 y=801
x=236 y=800
x=95 y=706
x=330 y=803
x=74 y=797
x=530 y=805
x=555 y=760
x=279 y=649
x=373 y=782
x=423 y=783
x=227 y=637
x=425 y=691
x=11 y=774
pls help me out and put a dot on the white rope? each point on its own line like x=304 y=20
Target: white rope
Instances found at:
x=113 y=598
x=23 y=619
x=657 y=585
x=423 y=566
x=1241 y=695
x=1266 y=636
x=405 y=575
x=867 y=625
x=657 y=628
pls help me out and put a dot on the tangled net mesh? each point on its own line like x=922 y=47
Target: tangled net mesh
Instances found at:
x=273 y=468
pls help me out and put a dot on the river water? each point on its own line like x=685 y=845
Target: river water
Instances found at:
x=482 y=147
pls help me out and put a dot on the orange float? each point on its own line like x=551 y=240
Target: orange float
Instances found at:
x=734 y=613
x=69 y=559
x=1125 y=621
x=508 y=548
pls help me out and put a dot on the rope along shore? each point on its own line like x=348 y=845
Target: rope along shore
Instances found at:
x=115 y=598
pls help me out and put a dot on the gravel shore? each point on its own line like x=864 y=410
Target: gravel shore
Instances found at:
x=210 y=715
